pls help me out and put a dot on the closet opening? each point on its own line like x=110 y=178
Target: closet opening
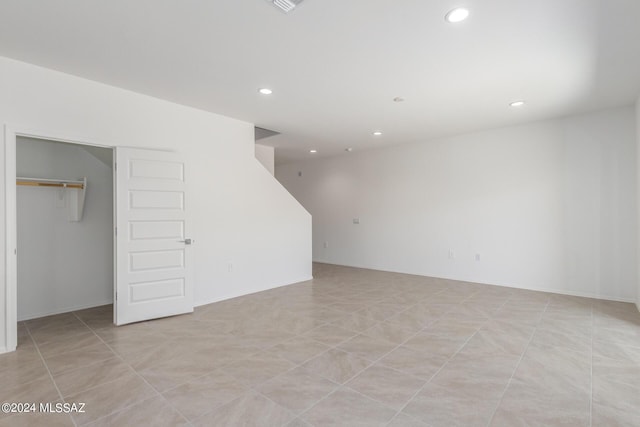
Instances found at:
x=64 y=227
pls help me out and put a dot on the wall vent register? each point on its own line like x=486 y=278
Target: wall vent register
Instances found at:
x=285 y=6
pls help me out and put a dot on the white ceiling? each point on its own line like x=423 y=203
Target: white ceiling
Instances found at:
x=336 y=65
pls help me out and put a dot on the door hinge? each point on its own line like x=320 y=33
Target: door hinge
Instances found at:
x=116 y=296
x=115 y=166
x=116 y=229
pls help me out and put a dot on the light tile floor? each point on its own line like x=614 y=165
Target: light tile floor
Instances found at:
x=352 y=347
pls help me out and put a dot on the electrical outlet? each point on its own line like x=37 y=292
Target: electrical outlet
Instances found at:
x=477 y=257
x=326 y=245
x=230 y=267
x=452 y=254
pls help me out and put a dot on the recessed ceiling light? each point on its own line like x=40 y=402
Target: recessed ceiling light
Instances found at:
x=377 y=133
x=313 y=151
x=458 y=14
x=517 y=104
x=265 y=91
x=348 y=150
x=398 y=99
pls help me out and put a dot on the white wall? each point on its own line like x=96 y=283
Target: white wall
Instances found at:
x=638 y=194
x=547 y=206
x=266 y=156
x=63 y=265
x=242 y=216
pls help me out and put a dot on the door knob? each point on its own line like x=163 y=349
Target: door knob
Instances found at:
x=186 y=241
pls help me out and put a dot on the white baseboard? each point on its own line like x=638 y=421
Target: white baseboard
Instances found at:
x=528 y=288
x=4 y=349
x=248 y=292
x=63 y=310
x=569 y=293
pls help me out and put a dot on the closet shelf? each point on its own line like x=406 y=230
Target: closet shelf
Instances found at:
x=75 y=198
x=43 y=182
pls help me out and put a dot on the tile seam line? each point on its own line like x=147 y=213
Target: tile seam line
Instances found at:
x=339 y=349
x=446 y=362
x=136 y=373
x=390 y=351
x=504 y=392
x=48 y=371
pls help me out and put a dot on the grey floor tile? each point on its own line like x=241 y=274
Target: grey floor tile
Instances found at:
x=350 y=347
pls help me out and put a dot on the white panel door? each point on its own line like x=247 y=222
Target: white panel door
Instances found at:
x=153 y=248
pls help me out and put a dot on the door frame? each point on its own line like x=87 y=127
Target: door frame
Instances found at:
x=11 y=133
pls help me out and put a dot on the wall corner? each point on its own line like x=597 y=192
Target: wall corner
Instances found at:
x=638 y=203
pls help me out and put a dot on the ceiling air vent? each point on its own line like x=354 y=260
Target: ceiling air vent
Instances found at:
x=285 y=5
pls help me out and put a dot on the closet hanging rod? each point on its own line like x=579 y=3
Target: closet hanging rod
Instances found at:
x=43 y=182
